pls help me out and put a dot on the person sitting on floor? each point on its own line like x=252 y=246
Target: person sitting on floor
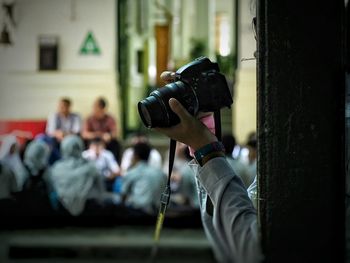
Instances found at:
x=240 y=169
x=183 y=182
x=104 y=160
x=34 y=198
x=8 y=186
x=9 y=154
x=155 y=159
x=252 y=158
x=102 y=125
x=75 y=180
x=142 y=184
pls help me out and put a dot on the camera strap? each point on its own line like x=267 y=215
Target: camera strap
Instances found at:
x=164 y=201
x=165 y=197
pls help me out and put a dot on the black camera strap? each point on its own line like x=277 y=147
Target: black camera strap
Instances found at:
x=165 y=197
x=164 y=201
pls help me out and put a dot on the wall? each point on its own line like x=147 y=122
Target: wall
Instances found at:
x=244 y=107
x=244 y=110
x=29 y=94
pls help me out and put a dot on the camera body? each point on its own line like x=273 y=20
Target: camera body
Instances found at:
x=199 y=87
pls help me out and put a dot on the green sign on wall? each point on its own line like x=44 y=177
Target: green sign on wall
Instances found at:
x=90 y=46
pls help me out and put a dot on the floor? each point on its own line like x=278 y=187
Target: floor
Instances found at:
x=103 y=245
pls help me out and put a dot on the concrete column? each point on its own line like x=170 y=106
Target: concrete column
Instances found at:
x=205 y=25
x=301 y=130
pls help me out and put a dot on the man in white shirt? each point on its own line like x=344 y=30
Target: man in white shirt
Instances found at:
x=104 y=160
x=154 y=160
x=228 y=215
x=63 y=122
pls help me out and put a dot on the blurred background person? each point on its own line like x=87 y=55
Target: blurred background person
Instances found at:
x=240 y=169
x=55 y=153
x=183 y=182
x=75 y=180
x=142 y=184
x=10 y=155
x=104 y=160
x=34 y=199
x=100 y=124
x=63 y=122
x=154 y=160
x=242 y=152
x=252 y=158
x=8 y=186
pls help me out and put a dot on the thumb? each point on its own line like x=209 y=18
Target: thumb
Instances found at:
x=177 y=108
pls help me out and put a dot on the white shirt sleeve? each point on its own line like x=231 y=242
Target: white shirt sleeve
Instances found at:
x=51 y=124
x=126 y=159
x=155 y=159
x=232 y=229
x=111 y=162
x=76 y=125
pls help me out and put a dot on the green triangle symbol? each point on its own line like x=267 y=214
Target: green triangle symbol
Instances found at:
x=90 y=45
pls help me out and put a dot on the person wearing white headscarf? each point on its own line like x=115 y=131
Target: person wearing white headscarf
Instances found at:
x=9 y=155
x=8 y=183
x=36 y=157
x=33 y=199
x=75 y=179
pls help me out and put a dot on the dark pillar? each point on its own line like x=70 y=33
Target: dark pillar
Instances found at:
x=301 y=130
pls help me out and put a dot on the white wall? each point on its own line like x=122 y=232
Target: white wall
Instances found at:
x=244 y=109
x=26 y=93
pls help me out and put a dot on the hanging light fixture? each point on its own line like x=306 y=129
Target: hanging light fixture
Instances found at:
x=5 y=38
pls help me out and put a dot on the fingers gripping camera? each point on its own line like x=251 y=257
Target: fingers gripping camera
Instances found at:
x=199 y=87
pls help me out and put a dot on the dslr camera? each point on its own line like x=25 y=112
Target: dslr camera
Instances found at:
x=199 y=87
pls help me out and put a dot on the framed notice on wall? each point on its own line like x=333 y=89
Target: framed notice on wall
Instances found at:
x=48 y=53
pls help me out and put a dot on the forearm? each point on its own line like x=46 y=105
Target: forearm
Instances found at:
x=113 y=134
x=234 y=218
x=89 y=135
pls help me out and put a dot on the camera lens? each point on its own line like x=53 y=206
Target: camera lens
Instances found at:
x=145 y=115
x=151 y=111
x=155 y=111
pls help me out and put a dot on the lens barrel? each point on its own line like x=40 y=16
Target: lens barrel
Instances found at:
x=155 y=111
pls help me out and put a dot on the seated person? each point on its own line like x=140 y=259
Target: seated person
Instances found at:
x=63 y=122
x=142 y=184
x=75 y=181
x=183 y=182
x=238 y=167
x=155 y=159
x=104 y=161
x=8 y=182
x=9 y=154
x=8 y=186
x=33 y=199
x=51 y=142
x=252 y=158
x=102 y=125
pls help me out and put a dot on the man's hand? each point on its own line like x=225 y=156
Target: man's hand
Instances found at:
x=106 y=137
x=190 y=130
x=59 y=135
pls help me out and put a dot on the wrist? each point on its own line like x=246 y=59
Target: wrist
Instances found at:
x=209 y=151
x=197 y=145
